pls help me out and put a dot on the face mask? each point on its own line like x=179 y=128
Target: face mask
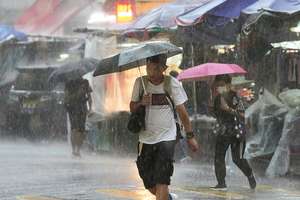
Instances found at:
x=222 y=90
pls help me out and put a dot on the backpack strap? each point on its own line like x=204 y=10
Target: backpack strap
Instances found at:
x=167 y=87
x=168 y=91
x=167 y=84
x=141 y=88
x=172 y=106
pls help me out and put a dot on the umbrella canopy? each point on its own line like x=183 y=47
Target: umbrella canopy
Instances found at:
x=134 y=57
x=73 y=70
x=209 y=69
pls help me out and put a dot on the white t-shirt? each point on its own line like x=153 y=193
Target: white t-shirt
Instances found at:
x=160 y=122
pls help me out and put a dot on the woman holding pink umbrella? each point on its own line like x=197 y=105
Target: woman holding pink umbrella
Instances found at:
x=230 y=128
x=230 y=132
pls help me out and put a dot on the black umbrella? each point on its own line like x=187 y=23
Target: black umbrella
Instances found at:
x=134 y=57
x=73 y=70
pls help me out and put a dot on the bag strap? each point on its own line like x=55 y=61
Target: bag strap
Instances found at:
x=172 y=105
x=168 y=92
x=167 y=84
x=141 y=89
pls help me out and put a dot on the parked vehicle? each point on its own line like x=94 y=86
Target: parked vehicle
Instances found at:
x=35 y=108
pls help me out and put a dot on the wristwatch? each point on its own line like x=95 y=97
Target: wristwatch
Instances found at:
x=190 y=135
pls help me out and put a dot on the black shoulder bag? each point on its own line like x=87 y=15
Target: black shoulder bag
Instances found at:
x=136 y=121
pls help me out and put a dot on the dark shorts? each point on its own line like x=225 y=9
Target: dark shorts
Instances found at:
x=155 y=163
x=77 y=117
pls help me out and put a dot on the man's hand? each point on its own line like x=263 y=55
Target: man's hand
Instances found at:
x=146 y=101
x=193 y=144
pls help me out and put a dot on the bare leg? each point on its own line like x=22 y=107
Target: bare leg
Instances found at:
x=81 y=137
x=162 y=192
x=76 y=140
x=73 y=141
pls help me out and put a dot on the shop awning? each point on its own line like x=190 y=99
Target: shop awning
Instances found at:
x=229 y=9
x=281 y=6
x=47 y=16
x=194 y=16
x=164 y=16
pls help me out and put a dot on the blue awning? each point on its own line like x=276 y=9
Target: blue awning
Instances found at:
x=228 y=9
x=194 y=16
x=281 y=6
x=8 y=32
x=231 y=8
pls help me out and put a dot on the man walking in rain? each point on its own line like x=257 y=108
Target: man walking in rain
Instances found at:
x=157 y=141
x=77 y=94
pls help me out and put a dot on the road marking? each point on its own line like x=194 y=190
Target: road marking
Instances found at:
x=142 y=194
x=136 y=194
x=204 y=191
x=32 y=197
x=269 y=188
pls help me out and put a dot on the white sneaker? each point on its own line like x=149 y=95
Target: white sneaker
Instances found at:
x=186 y=159
x=219 y=187
x=173 y=196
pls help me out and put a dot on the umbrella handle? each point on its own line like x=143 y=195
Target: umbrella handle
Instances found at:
x=143 y=83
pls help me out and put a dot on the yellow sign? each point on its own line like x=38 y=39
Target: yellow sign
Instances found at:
x=124 y=12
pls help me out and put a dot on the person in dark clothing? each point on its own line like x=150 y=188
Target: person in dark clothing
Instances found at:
x=227 y=106
x=77 y=94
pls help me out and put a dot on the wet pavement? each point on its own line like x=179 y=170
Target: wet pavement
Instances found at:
x=45 y=171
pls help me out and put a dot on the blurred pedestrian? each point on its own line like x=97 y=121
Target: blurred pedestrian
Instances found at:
x=77 y=95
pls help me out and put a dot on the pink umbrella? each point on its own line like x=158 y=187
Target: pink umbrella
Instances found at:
x=209 y=69
x=206 y=72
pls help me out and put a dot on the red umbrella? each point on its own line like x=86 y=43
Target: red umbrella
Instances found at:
x=209 y=69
